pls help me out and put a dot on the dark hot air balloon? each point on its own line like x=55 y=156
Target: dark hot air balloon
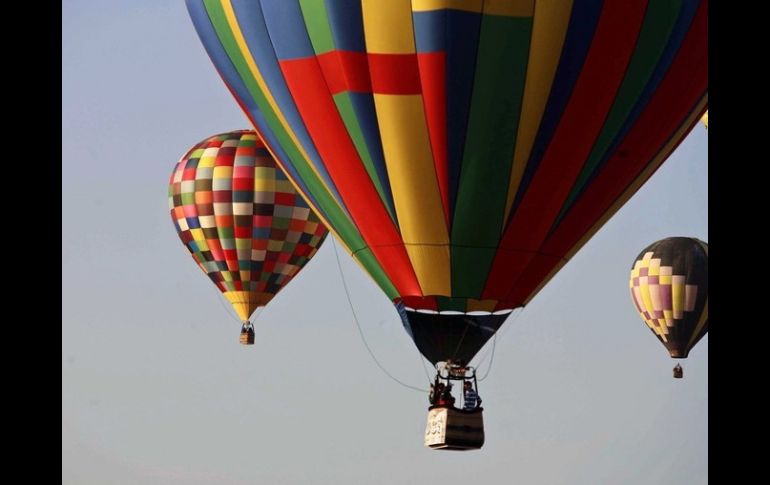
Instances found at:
x=670 y=290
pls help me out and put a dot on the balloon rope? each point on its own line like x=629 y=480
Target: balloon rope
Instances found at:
x=228 y=310
x=256 y=314
x=424 y=369
x=491 y=359
x=457 y=349
x=494 y=344
x=360 y=332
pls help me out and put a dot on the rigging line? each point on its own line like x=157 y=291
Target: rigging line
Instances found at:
x=514 y=317
x=228 y=310
x=494 y=344
x=256 y=314
x=457 y=349
x=422 y=363
x=360 y=332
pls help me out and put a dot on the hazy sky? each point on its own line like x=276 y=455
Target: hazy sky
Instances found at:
x=157 y=390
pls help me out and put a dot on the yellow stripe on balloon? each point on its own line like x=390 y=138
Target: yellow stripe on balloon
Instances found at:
x=480 y=305
x=644 y=288
x=430 y=5
x=654 y=268
x=197 y=234
x=245 y=302
x=408 y=155
x=388 y=26
x=505 y=8
x=431 y=265
x=206 y=161
x=548 y=32
x=416 y=195
x=677 y=295
x=668 y=316
x=636 y=292
x=223 y=173
x=655 y=296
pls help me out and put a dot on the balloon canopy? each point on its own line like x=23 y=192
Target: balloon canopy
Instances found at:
x=463 y=151
x=670 y=290
x=241 y=219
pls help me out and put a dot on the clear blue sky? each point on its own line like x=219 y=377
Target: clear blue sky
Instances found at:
x=157 y=390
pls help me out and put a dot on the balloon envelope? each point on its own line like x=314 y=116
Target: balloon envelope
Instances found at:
x=670 y=290
x=241 y=219
x=463 y=151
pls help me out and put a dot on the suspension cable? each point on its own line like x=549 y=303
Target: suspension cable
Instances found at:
x=360 y=331
x=491 y=354
x=228 y=310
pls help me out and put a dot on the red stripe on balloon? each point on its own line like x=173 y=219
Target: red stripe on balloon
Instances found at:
x=592 y=97
x=324 y=125
x=345 y=71
x=420 y=302
x=394 y=73
x=433 y=82
x=668 y=108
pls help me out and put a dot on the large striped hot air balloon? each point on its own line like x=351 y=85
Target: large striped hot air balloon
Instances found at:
x=463 y=150
x=242 y=220
x=670 y=289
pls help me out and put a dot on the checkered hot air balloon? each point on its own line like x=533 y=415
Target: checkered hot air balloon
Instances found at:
x=670 y=290
x=463 y=150
x=241 y=220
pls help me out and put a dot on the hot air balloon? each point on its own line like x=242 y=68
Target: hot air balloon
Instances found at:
x=670 y=290
x=242 y=221
x=463 y=151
